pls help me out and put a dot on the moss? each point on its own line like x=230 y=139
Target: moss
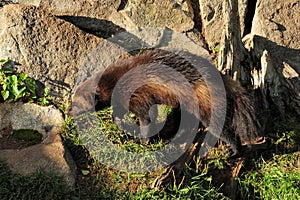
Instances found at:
x=27 y=135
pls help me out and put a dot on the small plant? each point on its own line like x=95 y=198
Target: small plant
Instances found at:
x=45 y=100
x=217 y=49
x=18 y=86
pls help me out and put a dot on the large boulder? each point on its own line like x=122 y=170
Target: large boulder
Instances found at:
x=276 y=72
x=275 y=51
x=88 y=8
x=158 y=14
x=49 y=49
x=131 y=14
x=278 y=21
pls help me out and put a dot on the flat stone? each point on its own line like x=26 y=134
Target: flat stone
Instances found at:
x=154 y=14
x=50 y=155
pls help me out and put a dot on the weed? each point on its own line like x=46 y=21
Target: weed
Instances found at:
x=15 y=86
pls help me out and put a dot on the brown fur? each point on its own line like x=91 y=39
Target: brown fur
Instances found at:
x=240 y=124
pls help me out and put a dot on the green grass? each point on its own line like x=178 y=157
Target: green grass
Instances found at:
x=105 y=182
x=276 y=174
x=278 y=178
x=272 y=175
x=38 y=186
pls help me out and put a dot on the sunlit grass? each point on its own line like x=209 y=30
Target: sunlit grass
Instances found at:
x=278 y=178
x=114 y=183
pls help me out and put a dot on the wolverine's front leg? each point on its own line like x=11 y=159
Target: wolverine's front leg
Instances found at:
x=148 y=122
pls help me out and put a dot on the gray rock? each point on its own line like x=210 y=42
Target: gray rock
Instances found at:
x=212 y=21
x=135 y=13
x=30 y=116
x=25 y=2
x=88 y=8
x=278 y=21
x=50 y=155
x=49 y=49
x=154 y=14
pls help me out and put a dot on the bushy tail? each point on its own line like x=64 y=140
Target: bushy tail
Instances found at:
x=244 y=122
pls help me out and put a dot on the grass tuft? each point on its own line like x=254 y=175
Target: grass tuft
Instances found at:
x=278 y=178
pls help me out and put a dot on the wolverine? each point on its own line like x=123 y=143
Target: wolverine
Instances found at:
x=153 y=77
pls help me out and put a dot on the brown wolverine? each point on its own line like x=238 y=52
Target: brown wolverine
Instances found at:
x=240 y=124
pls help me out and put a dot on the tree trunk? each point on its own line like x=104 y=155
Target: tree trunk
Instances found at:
x=232 y=52
x=271 y=71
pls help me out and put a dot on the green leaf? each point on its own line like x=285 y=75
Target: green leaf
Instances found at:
x=4 y=85
x=22 y=77
x=2 y=77
x=85 y=172
x=30 y=84
x=5 y=94
x=18 y=93
x=217 y=49
x=44 y=101
x=13 y=80
x=184 y=190
x=46 y=92
x=4 y=60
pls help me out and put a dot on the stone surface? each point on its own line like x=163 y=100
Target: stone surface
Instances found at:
x=89 y=15
x=88 y=8
x=213 y=20
x=25 y=2
x=50 y=155
x=49 y=49
x=278 y=21
x=30 y=116
x=130 y=14
x=154 y=13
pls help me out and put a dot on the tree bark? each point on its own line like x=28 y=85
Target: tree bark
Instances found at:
x=270 y=71
x=232 y=50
